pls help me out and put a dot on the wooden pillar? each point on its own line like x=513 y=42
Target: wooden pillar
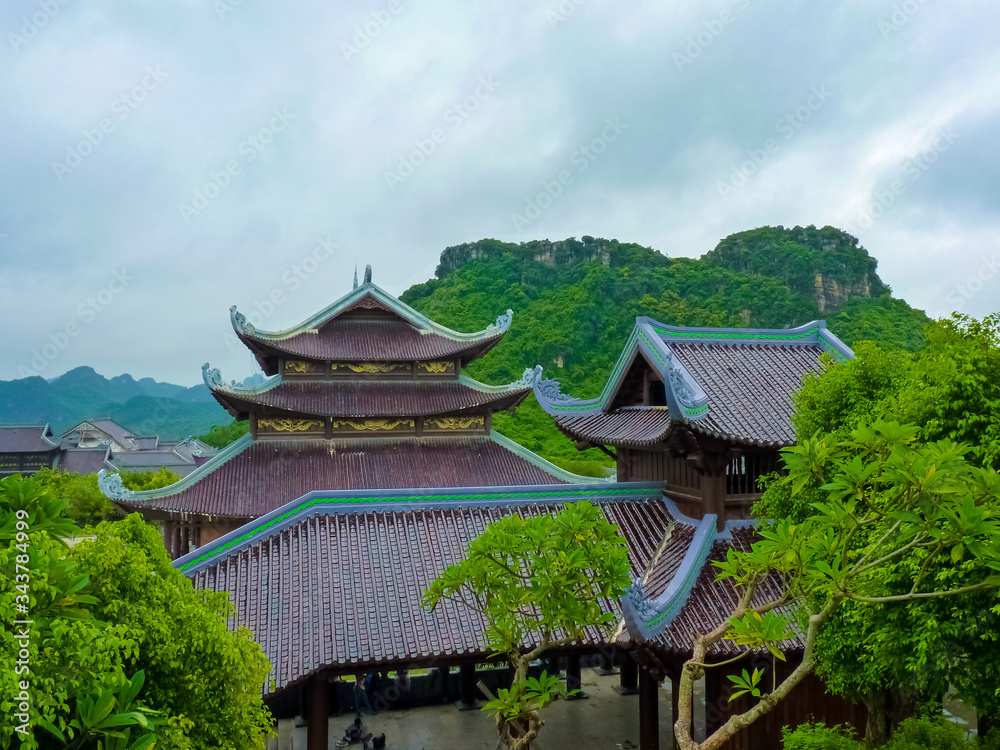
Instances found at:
x=675 y=700
x=444 y=671
x=606 y=665
x=649 y=719
x=168 y=538
x=317 y=721
x=467 y=685
x=573 y=681
x=185 y=539
x=715 y=701
x=628 y=676
x=713 y=493
x=177 y=540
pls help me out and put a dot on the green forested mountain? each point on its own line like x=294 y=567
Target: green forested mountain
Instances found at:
x=144 y=406
x=575 y=303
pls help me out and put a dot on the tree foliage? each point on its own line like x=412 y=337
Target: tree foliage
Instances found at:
x=195 y=666
x=887 y=655
x=70 y=671
x=538 y=582
x=892 y=519
x=222 y=435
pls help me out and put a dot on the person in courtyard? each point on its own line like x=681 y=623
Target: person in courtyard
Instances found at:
x=361 y=695
x=358 y=732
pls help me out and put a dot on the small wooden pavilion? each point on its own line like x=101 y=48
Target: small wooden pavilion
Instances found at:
x=704 y=410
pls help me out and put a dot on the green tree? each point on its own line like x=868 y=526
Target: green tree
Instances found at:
x=539 y=582
x=222 y=435
x=888 y=656
x=57 y=659
x=195 y=666
x=886 y=506
x=86 y=504
x=149 y=480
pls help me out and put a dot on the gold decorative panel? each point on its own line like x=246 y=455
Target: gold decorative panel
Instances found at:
x=290 y=425
x=370 y=368
x=374 y=425
x=437 y=367
x=457 y=423
x=294 y=365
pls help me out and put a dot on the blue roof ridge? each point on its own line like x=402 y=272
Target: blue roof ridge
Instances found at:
x=543 y=464
x=364 y=501
x=310 y=325
x=111 y=484
x=646 y=618
x=213 y=379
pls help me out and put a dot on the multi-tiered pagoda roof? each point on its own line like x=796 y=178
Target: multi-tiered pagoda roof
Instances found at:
x=367 y=394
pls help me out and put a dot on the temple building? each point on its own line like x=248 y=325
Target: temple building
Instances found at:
x=370 y=465
x=367 y=394
x=704 y=410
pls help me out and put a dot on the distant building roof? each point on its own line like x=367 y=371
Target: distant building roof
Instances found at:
x=249 y=479
x=83 y=460
x=731 y=383
x=104 y=425
x=23 y=438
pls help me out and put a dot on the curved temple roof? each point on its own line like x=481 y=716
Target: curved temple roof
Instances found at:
x=248 y=479
x=387 y=546
x=370 y=398
x=367 y=289
x=731 y=383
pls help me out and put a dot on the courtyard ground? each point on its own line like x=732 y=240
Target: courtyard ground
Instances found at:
x=603 y=721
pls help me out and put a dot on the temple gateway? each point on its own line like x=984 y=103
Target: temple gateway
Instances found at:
x=370 y=464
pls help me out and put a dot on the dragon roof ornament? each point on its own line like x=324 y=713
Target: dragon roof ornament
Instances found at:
x=502 y=324
x=213 y=379
x=549 y=389
x=240 y=322
x=112 y=487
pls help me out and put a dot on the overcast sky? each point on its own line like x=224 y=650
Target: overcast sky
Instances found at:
x=164 y=160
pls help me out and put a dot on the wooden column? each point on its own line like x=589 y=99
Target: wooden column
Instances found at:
x=185 y=539
x=649 y=705
x=317 y=722
x=675 y=688
x=573 y=681
x=444 y=671
x=606 y=665
x=628 y=676
x=177 y=540
x=168 y=537
x=715 y=701
x=467 y=685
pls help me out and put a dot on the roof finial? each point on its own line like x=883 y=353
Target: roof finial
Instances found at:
x=368 y=274
x=355 y=274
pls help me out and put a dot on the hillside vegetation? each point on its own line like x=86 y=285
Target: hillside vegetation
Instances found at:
x=144 y=406
x=575 y=303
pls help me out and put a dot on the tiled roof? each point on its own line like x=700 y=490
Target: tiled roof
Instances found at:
x=730 y=383
x=83 y=460
x=712 y=601
x=254 y=478
x=19 y=438
x=114 y=430
x=749 y=387
x=630 y=426
x=341 y=589
x=350 y=339
x=372 y=399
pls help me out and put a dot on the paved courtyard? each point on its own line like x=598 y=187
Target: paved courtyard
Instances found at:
x=604 y=721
